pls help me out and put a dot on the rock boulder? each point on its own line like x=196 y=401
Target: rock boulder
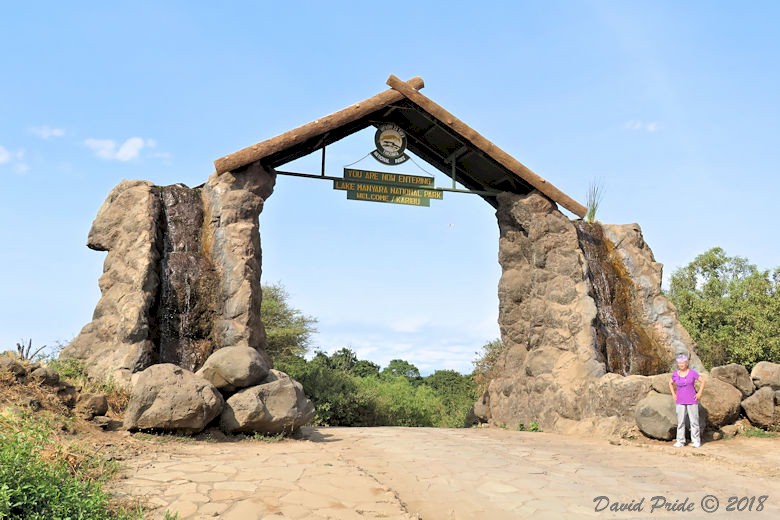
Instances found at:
x=656 y=416
x=766 y=374
x=721 y=401
x=88 y=405
x=761 y=409
x=45 y=376
x=660 y=383
x=735 y=375
x=232 y=368
x=167 y=397
x=276 y=406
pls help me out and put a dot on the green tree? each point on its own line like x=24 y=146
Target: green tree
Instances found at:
x=449 y=381
x=485 y=367
x=343 y=360
x=365 y=368
x=457 y=393
x=288 y=331
x=349 y=398
x=730 y=307
x=399 y=367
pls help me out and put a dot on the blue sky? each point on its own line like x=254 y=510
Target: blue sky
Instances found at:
x=673 y=106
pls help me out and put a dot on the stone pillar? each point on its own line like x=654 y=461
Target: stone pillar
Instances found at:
x=232 y=204
x=545 y=313
x=554 y=368
x=182 y=274
x=118 y=340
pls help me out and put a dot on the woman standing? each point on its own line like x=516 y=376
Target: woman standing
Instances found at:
x=686 y=398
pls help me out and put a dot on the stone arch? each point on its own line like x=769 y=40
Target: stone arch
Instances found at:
x=565 y=360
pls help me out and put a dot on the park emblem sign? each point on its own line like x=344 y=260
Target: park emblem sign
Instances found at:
x=390 y=140
x=393 y=188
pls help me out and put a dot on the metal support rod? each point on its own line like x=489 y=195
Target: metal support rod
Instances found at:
x=454 y=173
x=323 y=163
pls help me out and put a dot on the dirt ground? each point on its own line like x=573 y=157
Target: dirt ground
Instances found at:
x=413 y=473
x=344 y=473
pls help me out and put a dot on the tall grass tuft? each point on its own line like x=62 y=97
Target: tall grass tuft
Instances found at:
x=595 y=193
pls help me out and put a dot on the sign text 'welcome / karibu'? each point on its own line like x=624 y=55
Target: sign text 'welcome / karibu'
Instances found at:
x=393 y=188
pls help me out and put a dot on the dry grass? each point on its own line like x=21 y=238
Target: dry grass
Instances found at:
x=30 y=394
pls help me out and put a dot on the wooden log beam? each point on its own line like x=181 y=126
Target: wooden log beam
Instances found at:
x=301 y=134
x=490 y=149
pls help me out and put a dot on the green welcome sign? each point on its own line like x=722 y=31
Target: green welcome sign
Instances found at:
x=393 y=188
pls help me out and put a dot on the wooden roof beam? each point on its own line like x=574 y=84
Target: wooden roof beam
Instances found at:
x=311 y=130
x=480 y=142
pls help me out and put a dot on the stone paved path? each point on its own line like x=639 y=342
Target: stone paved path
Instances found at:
x=405 y=473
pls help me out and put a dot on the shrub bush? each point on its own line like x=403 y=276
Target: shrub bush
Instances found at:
x=343 y=398
x=40 y=481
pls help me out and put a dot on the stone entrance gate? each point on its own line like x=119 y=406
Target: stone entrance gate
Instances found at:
x=582 y=316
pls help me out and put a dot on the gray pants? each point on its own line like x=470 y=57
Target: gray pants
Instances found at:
x=693 y=417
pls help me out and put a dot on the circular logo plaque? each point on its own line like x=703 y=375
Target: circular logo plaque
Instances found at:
x=390 y=140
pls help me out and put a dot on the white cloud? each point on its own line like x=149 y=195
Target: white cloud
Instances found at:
x=14 y=159
x=432 y=345
x=410 y=324
x=103 y=148
x=130 y=149
x=108 y=149
x=45 y=132
x=638 y=124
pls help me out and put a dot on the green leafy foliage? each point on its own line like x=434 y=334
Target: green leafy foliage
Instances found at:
x=457 y=392
x=401 y=368
x=754 y=431
x=533 y=426
x=333 y=392
x=365 y=368
x=397 y=402
x=39 y=480
x=343 y=360
x=486 y=364
x=730 y=307
x=74 y=370
x=288 y=331
x=348 y=391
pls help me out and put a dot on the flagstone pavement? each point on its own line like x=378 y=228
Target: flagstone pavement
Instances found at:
x=432 y=474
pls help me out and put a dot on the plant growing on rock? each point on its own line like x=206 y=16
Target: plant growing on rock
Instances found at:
x=485 y=365
x=26 y=352
x=595 y=193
